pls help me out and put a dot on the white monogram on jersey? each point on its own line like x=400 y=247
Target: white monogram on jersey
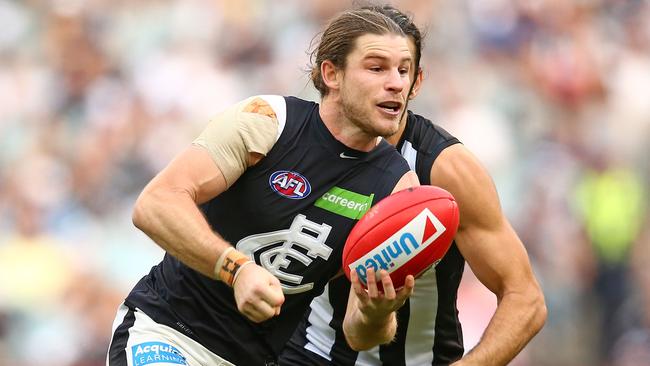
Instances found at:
x=303 y=233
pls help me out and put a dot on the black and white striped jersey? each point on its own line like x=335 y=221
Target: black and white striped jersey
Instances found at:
x=429 y=332
x=291 y=212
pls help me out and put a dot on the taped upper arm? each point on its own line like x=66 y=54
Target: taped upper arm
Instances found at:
x=249 y=128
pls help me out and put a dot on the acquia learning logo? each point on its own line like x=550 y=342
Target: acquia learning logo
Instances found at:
x=156 y=352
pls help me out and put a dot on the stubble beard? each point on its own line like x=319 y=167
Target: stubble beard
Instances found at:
x=359 y=117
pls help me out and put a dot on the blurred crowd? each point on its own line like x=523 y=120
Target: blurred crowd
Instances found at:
x=96 y=96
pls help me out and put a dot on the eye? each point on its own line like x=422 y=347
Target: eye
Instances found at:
x=375 y=68
x=404 y=70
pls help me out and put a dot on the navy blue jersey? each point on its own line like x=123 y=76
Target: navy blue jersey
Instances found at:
x=428 y=332
x=291 y=213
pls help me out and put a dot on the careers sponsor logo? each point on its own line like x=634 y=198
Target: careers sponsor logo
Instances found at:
x=156 y=352
x=290 y=184
x=345 y=203
x=405 y=244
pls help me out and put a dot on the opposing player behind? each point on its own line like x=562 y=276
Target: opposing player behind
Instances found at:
x=429 y=331
x=249 y=237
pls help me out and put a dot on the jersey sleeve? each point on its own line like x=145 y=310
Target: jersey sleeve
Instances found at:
x=250 y=126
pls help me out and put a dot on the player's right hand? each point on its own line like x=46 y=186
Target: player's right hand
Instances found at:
x=375 y=304
x=258 y=293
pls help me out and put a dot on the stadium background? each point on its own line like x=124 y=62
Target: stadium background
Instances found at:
x=97 y=95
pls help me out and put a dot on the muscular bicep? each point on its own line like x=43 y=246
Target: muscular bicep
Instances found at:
x=486 y=239
x=192 y=172
x=496 y=256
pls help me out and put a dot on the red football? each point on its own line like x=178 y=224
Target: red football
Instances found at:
x=404 y=234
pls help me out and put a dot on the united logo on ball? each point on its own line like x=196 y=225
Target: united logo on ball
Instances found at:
x=404 y=234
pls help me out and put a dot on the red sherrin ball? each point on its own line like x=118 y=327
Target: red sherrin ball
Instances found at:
x=404 y=234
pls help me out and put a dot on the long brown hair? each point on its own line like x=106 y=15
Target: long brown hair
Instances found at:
x=338 y=39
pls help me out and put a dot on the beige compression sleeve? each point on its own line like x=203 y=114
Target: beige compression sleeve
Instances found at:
x=250 y=126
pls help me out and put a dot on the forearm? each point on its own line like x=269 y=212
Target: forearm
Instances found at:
x=362 y=333
x=173 y=221
x=517 y=319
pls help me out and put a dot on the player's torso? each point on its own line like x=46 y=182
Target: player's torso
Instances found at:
x=291 y=213
x=306 y=188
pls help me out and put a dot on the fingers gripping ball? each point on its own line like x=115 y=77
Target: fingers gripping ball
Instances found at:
x=405 y=234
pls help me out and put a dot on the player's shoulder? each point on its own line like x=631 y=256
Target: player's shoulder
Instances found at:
x=270 y=106
x=264 y=105
x=458 y=169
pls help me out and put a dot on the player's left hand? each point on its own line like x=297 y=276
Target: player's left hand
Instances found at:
x=375 y=305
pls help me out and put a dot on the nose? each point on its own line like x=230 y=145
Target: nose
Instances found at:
x=394 y=81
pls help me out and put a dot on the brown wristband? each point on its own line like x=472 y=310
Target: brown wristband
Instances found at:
x=229 y=263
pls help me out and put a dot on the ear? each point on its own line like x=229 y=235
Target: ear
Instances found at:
x=417 y=84
x=330 y=74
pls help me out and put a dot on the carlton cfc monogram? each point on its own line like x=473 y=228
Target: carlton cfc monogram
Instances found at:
x=275 y=257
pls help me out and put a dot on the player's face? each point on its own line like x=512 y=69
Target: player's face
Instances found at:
x=376 y=81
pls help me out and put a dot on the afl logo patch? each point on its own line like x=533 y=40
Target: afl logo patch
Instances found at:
x=290 y=184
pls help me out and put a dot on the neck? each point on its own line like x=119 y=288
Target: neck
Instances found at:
x=344 y=130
